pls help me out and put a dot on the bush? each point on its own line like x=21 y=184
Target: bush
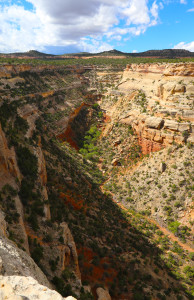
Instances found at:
x=89 y=149
x=26 y=193
x=174 y=226
x=37 y=254
x=7 y=188
x=64 y=290
x=34 y=221
x=189 y=271
x=96 y=106
x=191 y=255
x=28 y=162
x=21 y=124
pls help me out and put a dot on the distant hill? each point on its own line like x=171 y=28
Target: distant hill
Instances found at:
x=30 y=53
x=169 y=53
x=165 y=53
x=112 y=52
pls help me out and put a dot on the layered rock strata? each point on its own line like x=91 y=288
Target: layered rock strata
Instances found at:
x=157 y=101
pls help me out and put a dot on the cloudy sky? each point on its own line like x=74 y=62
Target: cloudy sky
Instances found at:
x=64 y=26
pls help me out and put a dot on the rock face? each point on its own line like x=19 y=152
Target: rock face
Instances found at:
x=3 y=225
x=79 y=122
x=180 y=69
x=69 y=251
x=9 y=170
x=15 y=261
x=43 y=179
x=157 y=101
x=19 y=287
x=29 y=113
x=40 y=95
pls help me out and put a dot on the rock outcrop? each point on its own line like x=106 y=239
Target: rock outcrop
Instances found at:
x=103 y=294
x=15 y=261
x=157 y=101
x=3 y=225
x=43 y=179
x=69 y=252
x=20 y=287
x=9 y=170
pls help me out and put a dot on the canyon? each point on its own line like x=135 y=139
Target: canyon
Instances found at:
x=96 y=180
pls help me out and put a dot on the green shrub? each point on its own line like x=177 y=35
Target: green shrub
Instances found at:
x=26 y=193
x=174 y=226
x=189 y=271
x=21 y=124
x=37 y=254
x=191 y=255
x=7 y=188
x=28 y=162
x=64 y=290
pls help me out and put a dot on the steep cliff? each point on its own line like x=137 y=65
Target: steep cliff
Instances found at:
x=157 y=101
x=9 y=170
x=24 y=197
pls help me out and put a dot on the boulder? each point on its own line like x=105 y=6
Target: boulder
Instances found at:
x=103 y=294
x=117 y=142
x=188 y=114
x=162 y=167
x=191 y=138
x=158 y=137
x=171 y=125
x=179 y=88
x=115 y=162
x=154 y=122
x=184 y=127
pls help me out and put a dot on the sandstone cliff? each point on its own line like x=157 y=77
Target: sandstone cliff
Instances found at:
x=157 y=101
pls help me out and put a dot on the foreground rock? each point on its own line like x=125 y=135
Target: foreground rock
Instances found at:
x=14 y=261
x=18 y=287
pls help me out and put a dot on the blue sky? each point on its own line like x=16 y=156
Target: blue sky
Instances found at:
x=65 y=26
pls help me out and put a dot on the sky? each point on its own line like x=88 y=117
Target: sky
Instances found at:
x=70 y=26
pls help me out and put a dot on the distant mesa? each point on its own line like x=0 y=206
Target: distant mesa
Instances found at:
x=168 y=53
x=30 y=54
x=165 y=53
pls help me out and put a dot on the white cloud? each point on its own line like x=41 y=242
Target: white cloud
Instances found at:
x=18 y=28
x=63 y=23
x=94 y=46
x=136 y=12
x=186 y=46
x=190 y=10
x=154 y=10
x=183 y=1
